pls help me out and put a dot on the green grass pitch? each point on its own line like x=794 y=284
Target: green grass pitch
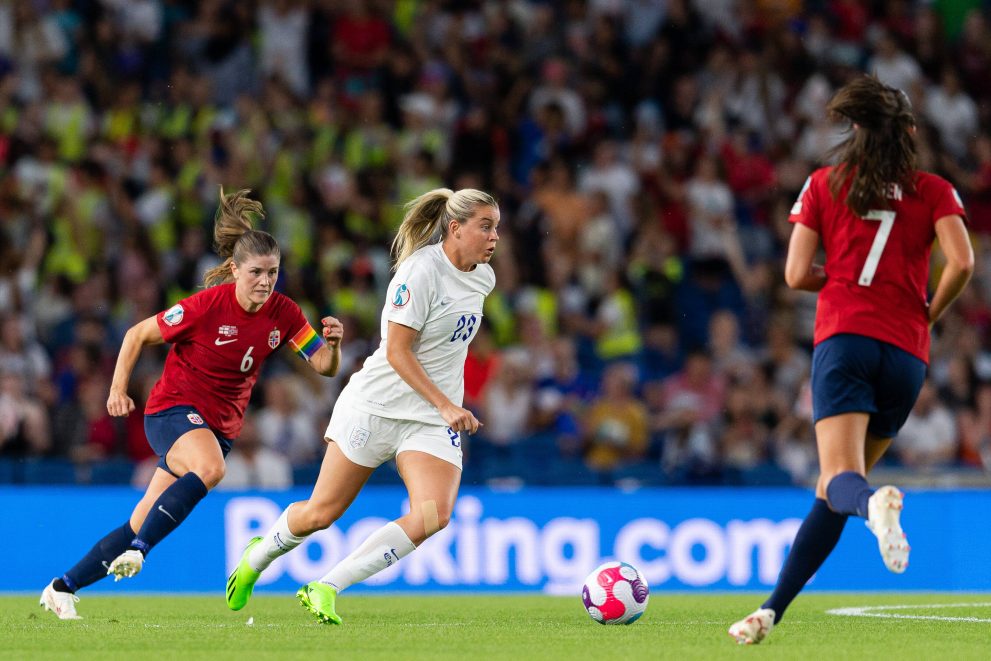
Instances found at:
x=480 y=627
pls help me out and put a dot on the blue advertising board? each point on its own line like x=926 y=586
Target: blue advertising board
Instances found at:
x=541 y=540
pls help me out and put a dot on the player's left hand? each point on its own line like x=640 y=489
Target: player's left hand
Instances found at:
x=333 y=332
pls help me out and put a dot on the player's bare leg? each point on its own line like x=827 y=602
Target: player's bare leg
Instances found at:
x=197 y=459
x=337 y=486
x=432 y=484
x=841 y=443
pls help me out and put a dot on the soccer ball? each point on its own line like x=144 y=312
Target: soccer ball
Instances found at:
x=615 y=593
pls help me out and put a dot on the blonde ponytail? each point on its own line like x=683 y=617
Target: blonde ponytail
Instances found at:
x=421 y=224
x=428 y=216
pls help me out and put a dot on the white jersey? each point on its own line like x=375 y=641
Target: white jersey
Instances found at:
x=428 y=294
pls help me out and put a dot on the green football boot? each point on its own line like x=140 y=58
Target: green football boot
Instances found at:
x=319 y=598
x=242 y=580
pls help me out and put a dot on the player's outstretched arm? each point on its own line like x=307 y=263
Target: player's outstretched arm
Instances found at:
x=800 y=272
x=399 y=353
x=954 y=241
x=139 y=335
x=327 y=360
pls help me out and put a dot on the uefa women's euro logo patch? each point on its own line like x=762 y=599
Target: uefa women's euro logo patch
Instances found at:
x=173 y=315
x=401 y=297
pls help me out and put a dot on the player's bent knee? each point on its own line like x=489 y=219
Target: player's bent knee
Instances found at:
x=442 y=520
x=821 y=485
x=210 y=474
x=434 y=519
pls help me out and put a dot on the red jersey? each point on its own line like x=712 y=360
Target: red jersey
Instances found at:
x=877 y=267
x=217 y=350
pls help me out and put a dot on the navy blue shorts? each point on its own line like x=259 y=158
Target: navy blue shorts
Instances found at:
x=858 y=374
x=164 y=428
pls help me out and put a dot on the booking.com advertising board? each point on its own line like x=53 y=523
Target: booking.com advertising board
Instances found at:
x=530 y=540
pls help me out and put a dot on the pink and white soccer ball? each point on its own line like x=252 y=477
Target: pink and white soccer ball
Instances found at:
x=615 y=593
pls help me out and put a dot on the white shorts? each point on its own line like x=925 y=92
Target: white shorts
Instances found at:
x=371 y=440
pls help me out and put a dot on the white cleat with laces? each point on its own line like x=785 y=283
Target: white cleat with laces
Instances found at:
x=753 y=628
x=63 y=604
x=126 y=565
x=884 y=510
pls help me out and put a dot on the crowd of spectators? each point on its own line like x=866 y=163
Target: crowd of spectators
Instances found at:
x=645 y=154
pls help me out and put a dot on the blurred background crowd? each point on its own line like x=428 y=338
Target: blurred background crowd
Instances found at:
x=645 y=154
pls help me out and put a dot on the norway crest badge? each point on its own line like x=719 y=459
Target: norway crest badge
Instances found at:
x=273 y=338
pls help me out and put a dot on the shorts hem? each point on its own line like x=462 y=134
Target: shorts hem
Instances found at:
x=352 y=459
x=841 y=411
x=885 y=435
x=458 y=465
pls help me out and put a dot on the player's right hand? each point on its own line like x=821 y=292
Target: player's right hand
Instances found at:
x=460 y=419
x=119 y=404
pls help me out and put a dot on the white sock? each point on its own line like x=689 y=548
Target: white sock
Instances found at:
x=276 y=543
x=382 y=549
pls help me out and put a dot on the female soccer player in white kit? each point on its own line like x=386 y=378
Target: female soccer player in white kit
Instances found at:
x=404 y=403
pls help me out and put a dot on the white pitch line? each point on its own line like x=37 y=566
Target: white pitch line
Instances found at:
x=865 y=611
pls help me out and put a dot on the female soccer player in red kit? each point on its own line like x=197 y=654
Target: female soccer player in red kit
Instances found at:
x=220 y=337
x=876 y=217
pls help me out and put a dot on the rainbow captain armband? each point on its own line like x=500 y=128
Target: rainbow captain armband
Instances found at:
x=306 y=342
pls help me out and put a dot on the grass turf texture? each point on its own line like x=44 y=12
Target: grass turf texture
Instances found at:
x=675 y=626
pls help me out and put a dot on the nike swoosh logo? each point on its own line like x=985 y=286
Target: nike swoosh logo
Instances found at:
x=445 y=301
x=220 y=342
x=163 y=511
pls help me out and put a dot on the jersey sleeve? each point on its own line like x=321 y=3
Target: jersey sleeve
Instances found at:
x=303 y=338
x=178 y=323
x=409 y=296
x=947 y=202
x=806 y=207
x=490 y=282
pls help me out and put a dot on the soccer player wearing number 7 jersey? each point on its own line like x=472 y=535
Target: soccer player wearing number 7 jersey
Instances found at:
x=876 y=217
x=404 y=403
x=220 y=337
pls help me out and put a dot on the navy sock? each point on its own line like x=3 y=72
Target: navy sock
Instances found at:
x=171 y=508
x=848 y=493
x=93 y=565
x=815 y=540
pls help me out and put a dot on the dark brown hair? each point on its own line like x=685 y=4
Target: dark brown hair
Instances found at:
x=880 y=150
x=233 y=236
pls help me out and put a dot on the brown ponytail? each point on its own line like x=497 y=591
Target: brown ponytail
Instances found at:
x=233 y=236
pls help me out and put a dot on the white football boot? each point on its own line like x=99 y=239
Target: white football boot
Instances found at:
x=753 y=628
x=126 y=565
x=884 y=510
x=63 y=604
